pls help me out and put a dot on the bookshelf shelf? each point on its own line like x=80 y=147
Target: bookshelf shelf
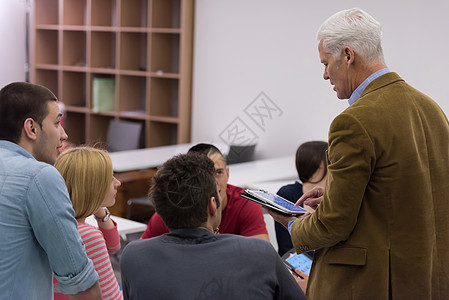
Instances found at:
x=143 y=48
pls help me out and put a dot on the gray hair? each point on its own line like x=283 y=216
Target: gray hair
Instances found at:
x=354 y=28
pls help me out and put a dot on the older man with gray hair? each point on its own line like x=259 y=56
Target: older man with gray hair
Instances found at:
x=381 y=229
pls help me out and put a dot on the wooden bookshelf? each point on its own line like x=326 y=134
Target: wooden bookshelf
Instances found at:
x=143 y=46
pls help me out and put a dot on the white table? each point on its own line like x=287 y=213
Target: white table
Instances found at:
x=264 y=170
x=124 y=226
x=141 y=159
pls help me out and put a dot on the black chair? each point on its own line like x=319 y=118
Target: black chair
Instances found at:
x=240 y=153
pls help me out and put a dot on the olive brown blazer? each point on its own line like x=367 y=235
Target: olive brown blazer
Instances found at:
x=382 y=229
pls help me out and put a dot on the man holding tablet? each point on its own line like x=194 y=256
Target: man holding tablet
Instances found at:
x=382 y=228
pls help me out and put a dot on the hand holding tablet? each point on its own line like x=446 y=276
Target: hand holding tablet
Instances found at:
x=301 y=261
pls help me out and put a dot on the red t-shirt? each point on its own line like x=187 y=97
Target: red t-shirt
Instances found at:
x=241 y=216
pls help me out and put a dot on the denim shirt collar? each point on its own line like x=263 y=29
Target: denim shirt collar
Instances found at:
x=359 y=90
x=15 y=147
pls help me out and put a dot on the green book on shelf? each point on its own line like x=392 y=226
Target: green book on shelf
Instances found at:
x=103 y=94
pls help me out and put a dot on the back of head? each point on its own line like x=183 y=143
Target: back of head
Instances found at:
x=182 y=188
x=354 y=28
x=206 y=149
x=19 y=101
x=88 y=174
x=309 y=157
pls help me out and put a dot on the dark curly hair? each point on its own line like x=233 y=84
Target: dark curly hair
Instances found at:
x=181 y=190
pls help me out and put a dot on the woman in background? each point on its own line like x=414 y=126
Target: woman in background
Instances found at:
x=312 y=171
x=92 y=188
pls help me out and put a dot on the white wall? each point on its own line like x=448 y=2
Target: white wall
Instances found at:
x=245 y=47
x=12 y=33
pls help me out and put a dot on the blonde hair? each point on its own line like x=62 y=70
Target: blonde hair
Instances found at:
x=88 y=174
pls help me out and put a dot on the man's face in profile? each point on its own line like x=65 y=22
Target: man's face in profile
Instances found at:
x=49 y=138
x=336 y=71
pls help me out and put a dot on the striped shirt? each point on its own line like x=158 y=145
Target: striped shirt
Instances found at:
x=99 y=243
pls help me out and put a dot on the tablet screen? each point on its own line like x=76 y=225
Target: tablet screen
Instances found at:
x=301 y=262
x=280 y=201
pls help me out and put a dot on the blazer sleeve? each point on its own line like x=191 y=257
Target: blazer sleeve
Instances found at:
x=351 y=158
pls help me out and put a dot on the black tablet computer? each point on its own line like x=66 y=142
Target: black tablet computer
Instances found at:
x=273 y=202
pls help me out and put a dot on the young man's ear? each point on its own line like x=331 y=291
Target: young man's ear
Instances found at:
x=213 y=207
x=29 y=128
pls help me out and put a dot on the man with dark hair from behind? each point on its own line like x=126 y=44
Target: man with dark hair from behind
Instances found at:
x=240 y=216
x=191 y=262
x=38 y=230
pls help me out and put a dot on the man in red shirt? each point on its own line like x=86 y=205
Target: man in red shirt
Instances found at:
x=239 y=215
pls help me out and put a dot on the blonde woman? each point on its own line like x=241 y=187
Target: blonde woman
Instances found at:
x=92 y=188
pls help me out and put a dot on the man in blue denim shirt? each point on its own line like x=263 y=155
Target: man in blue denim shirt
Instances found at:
x=38 y=232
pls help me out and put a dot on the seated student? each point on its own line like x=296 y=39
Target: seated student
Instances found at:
x=312 y=171
x=89 y=178
x=240 y=216
x=191 y=262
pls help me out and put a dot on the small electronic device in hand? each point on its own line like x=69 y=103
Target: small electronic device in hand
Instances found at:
x=302 y=261
x=273 y=202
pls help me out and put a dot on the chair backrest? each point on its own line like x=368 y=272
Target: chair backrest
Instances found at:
x=240 y=153
x=123 y=135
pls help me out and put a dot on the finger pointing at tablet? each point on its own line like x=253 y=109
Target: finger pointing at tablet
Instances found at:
x=312 y=198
